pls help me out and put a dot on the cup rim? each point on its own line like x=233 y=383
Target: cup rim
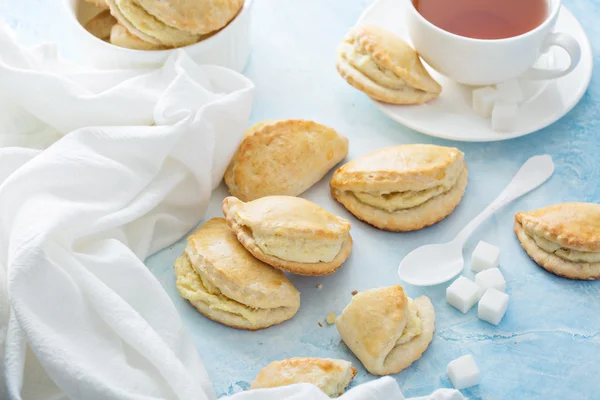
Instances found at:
x=556 y=4
x=206 y=42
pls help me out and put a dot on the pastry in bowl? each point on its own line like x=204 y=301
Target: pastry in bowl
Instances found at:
x=384 y=67
x=290 y=233
x=226 y=284
x=402 y=188
x=329 y=375
x=284 y=157
x=101 y=25
x=563 y=238
x=386 y=330
x=147 y=27
x=120 y=36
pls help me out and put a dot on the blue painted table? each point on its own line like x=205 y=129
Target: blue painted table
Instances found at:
x=547 y=346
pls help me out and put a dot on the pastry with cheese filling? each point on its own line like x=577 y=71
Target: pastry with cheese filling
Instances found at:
x=226 y=284
x=290 y=233
x=386 y=330
x=119 y=36
x=283 y=157
x=563 y=238
x=330 y=375
x=402 y=188
x=147 y=27
x=384 y=67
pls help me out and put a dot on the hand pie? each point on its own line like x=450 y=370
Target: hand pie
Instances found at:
x=402 y=188
x=564 y=239
x=290 y=233
x=101 y=25
x=119 y=36
x=329 y=375
x=194 y=16
x=283 y=157
x=226 y=284
x=385 y=67
x=386 y=330
x=147 y=27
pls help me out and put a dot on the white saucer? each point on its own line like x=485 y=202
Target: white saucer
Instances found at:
x=451 y=117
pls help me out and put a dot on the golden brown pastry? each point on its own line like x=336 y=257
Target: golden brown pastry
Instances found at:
x=226 y=284
x=194 y=16
x=329 y=375
x=284 y=157
x=564 y=238
x=402 y=188
x=385 y=67
x=119 y=36
x=146 y=27
x=98 y=3
x=101 y=25
x=290 y=233
x=386 y=330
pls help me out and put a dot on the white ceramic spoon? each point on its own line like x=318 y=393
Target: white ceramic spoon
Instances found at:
x=437 y=263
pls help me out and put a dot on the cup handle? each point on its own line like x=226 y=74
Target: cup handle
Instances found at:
x=567 y=43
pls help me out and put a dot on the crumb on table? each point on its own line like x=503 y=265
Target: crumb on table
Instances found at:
x=319 y=286
x=354 y=292
x=320 y=324
x=330 y=318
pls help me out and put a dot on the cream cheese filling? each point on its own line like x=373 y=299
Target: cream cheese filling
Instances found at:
x=564 y=252
x=197 y=288
x=298 y=250
x=413 y=326
x=396 y=201
x=362 y=62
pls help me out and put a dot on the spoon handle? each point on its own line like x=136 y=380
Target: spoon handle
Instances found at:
x=533 y=173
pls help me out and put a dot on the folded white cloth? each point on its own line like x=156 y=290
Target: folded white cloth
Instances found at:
x=80 y=314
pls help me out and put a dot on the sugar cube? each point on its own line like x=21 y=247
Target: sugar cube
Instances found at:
x=504 y=116
x=462 y=294
x=510 y=91
x=484 y=99
x=492 y=306
x=463 y=372
x=485 y=256
x=491 y=278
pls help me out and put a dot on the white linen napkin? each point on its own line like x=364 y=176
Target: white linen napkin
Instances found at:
x=141 y=151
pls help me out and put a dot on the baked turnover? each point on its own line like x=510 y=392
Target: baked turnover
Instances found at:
x=385 y=67
x=101 y=25
x=290 y=233
x=329 y=375
x=564 y=238
x=386 y=330
x=226 y=284
x=147 y=27
x=120 y=36
x=402 y=188
x=284 y=157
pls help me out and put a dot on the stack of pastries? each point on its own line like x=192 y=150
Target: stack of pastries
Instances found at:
x=157 y=25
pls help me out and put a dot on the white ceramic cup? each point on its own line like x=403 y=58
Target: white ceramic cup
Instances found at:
x=488 y=62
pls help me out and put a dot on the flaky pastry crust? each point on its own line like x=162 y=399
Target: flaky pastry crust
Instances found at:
x=385 y=67
x=292 y=218
x=283 y=157
x=227 y=284
x=330 y=375
x=375 y=321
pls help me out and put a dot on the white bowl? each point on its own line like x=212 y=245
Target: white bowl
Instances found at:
x=228 y=48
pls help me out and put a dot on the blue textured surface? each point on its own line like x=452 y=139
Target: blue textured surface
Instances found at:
x=547 y=346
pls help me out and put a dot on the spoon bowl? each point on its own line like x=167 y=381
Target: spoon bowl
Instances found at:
x=443 y=261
